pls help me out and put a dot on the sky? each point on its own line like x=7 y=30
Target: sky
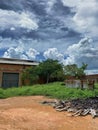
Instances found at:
x=65 y=30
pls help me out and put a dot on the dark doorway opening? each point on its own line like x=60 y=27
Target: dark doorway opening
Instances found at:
x=10 y=80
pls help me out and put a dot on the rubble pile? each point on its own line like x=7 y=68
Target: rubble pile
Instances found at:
x=78 y=107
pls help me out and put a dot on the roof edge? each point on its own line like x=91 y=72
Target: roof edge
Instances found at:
x=17 y=61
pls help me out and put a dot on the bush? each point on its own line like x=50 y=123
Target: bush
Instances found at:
x=54 y=90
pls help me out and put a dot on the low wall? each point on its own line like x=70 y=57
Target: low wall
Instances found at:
x=76 y=83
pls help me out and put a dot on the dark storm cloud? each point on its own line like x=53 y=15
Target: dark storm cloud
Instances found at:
x=11 y=5
x=21 y=5
x=50 y=27
x=73 y=33
x=37 y=7
x=15 y=34
x=60 y=9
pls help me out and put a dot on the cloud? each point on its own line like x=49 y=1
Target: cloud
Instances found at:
x=27 y=22
x=20 y=53
x=89 y=72
x=50 y=5
x=86 y=17
x=52 y=53
x=11 y=20
x=83 y=52
x=50 y=27
x=7 y=42
x=71 y=3
x=37 y=44
x=45 y=20
x=15 y=52
x=32 y=53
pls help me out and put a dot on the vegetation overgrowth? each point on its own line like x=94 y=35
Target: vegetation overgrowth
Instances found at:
x=52 y=70
x=53 y=90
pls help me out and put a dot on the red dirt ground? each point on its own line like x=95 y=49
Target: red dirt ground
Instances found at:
x=26 y=113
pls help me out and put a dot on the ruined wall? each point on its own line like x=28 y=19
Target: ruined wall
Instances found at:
x=76 y=83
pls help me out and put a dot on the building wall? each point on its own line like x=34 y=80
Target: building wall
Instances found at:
x=93 y=77
x=87 y=77
x=12 y=68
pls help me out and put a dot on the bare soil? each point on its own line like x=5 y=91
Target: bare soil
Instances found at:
x=27 y=113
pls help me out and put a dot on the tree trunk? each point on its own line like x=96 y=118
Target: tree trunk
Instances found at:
x=81 y=84
x=47 y=78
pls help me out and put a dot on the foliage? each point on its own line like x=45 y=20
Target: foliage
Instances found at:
x=54 y=90
x=81 y=71
x=29 y=75
x=70 y=70
x=50 y=69
x=74 y=70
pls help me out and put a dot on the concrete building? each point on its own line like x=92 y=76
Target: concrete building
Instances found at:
x=11 y=71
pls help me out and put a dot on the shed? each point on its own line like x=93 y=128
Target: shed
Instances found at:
x=11 y=71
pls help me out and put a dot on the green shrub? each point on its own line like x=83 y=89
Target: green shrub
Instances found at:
x=54 y=90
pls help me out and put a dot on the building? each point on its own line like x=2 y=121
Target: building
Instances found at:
x=92 y=77
x=11 y=71
x=87 y=77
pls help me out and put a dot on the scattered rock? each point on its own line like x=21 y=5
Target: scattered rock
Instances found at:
x=79 y=107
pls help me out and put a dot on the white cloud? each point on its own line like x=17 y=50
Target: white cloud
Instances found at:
x=11 y=20
x=27 y=22
x=71 y=3
x=9 y=42
x=89 y=72
x=20 y=53
x=52 y=53
x=50 y=4
x=82 y=52
x=15 y=52
x=86 y=17
x=32 y=53
x=12 y=28
x=85 y=22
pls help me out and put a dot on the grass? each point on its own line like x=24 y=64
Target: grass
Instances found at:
x=53 y=90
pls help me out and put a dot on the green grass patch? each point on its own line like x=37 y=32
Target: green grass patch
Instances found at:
x=53 y=90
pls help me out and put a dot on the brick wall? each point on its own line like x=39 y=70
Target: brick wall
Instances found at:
x=12 y=68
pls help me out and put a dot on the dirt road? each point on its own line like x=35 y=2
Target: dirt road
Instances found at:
x=26 y=113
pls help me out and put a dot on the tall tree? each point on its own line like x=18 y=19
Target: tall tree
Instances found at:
x=50 y=69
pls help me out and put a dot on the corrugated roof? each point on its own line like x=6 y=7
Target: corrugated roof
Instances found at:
x=17 y=61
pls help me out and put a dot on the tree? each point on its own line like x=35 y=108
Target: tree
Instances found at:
x=74 y=70
x=70 y=70
x=30 y=76
x=50 y=69
x=80 y=73
x=77 y=72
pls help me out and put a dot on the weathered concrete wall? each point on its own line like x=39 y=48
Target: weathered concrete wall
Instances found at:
x=76 y=83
